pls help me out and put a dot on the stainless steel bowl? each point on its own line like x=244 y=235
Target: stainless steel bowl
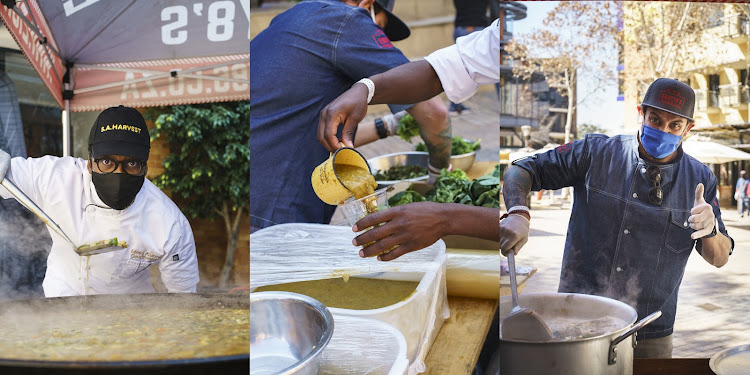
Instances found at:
x=384 y=162
x=288 y=332
x=463 y=161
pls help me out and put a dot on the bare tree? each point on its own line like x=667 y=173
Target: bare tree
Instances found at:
x=578 y=39
x=665 y=39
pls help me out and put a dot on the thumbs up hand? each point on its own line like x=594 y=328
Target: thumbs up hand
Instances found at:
x=702 y=217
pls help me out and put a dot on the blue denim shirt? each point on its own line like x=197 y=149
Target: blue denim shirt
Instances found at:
x=619 y=245
x=307 y=57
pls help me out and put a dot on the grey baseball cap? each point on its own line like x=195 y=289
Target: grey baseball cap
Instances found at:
x=395 y=29
x=672 y=96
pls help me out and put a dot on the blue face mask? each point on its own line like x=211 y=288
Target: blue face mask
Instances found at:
x=657 y=143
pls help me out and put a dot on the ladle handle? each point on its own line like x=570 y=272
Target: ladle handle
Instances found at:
x=512 y=270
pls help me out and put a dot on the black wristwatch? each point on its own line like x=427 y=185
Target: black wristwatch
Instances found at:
x=380 y=127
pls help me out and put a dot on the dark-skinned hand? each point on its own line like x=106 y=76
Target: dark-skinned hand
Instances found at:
x=411 y=227
x=348 y=109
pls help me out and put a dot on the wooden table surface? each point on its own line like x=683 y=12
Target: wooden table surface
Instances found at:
x=460 y=340
x=681 y=366
x=458 y=344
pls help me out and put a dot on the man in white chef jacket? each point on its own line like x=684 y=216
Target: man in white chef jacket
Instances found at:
x=101 y=198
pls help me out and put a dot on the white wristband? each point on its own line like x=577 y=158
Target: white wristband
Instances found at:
x=370 y=88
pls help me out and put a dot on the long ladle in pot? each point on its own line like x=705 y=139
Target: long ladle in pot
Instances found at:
x=522 y=323
x=97 y=247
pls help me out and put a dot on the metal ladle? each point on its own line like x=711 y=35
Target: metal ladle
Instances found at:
x=522 y=323
x=97 y=247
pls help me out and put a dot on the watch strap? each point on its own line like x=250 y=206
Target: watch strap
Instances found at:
x=380 y=127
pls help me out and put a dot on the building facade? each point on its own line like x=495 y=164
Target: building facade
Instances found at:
x=721 y=88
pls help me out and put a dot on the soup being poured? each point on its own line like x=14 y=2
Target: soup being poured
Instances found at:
x=358 y=180
x=362 y=183
x=356 y=294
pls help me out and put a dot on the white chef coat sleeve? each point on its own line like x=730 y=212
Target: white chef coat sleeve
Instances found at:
x=473 y=61
x=179 y=266
x=30 y=175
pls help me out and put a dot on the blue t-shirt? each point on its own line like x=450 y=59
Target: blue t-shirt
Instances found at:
x=306 y=58
x=619 y=244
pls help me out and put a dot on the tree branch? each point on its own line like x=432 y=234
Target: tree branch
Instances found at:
x=651 y=42
x=671 y=44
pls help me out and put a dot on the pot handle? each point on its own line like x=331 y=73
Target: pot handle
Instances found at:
x=642 y=323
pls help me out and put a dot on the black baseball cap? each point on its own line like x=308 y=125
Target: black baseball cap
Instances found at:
x=396 y=29
x=120 y=131
x=671 y=95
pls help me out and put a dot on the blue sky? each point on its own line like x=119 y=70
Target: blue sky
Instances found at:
x=597 y=110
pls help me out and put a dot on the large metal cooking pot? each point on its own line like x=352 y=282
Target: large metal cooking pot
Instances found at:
x=608 y=353
x=236 y=364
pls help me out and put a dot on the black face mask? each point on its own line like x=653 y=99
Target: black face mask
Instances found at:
x=117 y=190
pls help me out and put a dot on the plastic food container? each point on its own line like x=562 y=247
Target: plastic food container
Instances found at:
x=364 y=346
x=289 y=253
x=418 y=317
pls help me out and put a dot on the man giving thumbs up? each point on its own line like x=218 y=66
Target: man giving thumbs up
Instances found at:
x=641 y=205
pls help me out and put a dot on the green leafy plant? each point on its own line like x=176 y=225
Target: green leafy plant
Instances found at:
x=448 y=186
x=408 y=128
x=459 y=146
x=404 y=197
x=400 y=172
x=208 y=167
x=455 y=187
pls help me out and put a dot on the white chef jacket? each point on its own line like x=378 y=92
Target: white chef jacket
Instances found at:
x=154 y=228
x=473 y=61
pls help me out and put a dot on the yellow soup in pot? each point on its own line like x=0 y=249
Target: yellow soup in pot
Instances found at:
x=125 y=335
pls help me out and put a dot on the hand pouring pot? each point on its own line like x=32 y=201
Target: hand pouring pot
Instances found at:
x=606 y=353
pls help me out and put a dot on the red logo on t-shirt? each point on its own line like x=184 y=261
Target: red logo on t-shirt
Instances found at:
x=564 y=148
x=382 y=40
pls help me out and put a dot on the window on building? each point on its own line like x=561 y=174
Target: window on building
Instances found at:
x=716 y=18
x=713 y=82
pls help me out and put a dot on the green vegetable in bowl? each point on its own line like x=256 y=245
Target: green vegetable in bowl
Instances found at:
x=455 y=187
x=448 y=186
x=401 y=172
x=459 y=146
x=404 y=197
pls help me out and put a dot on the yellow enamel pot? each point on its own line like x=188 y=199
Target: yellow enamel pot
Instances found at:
x=327 y=184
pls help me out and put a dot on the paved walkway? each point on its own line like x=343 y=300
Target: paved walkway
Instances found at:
x=713 y=304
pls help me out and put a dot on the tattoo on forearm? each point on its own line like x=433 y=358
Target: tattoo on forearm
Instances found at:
x=439 y=146
x=516 y=186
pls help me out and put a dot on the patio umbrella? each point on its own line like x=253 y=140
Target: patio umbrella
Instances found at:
x=140 y=53
x=712 y=152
